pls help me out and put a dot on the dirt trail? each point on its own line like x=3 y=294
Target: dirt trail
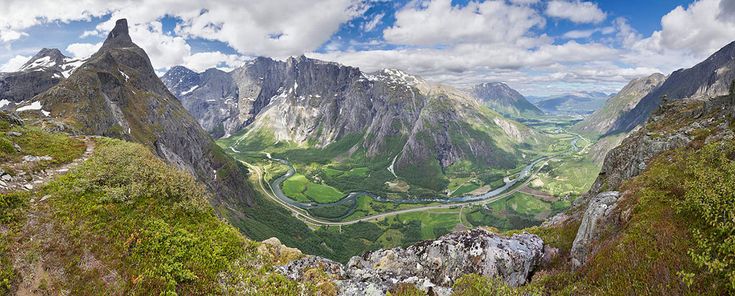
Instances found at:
x=31 y=181
x=37 y=235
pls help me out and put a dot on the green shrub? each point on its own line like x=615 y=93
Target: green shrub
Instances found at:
x=477 y=285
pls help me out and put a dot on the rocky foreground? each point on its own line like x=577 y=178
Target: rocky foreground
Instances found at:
x=432 y=266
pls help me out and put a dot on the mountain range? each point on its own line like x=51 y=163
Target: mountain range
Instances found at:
x=388 y=114
x=577 y=103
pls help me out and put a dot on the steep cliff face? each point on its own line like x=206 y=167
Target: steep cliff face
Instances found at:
x=116 y=93
x=431 y=265
x=502 y=98
x=312 y=103
x=44 y=70
x=211 y=97
x=603 y=120
x=710 y=78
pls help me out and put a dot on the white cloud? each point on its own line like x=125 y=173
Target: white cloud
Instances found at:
x=492 y=40
x=90 y=33
x=83 y=50
x=164 y=51
x=14 y=63
x=11 y=35
x=695 y=29
x=204 y=60
x=437 y=22
x=577 y=34
x=576 y=11
x=688 y=35
x=274 y=28
x=727 y=10
x=373 y=23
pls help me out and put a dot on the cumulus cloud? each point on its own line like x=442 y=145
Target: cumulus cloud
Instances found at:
x=677 y=44
x=576 y=11
x=491 y=40
x=274 y=28
x=14 y=63
x=677 y=31
x=437 y=22
x=83 y=50
x=202 y=61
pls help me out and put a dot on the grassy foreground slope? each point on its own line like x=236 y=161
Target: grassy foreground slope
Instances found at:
x=125 y=221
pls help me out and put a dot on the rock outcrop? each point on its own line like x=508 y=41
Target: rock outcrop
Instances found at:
x=116 y=93
x=432 y=265
x=599 y=211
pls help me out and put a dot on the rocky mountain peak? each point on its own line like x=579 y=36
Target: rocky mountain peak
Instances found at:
x=504 y=99
x=46 y=58
x=119 y=36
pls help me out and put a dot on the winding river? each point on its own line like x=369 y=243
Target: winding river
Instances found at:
x=350 y=199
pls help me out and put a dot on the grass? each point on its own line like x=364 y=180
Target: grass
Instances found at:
x=149 y=222
x=518 y=211
x=35 y=141
x=295 y=186
x=434 y=223
x=572 y=175
x=528 y=205
x=301 y=189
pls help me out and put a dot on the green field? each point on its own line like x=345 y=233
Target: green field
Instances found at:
x=518 y=211
x=301 y=189
x=571 y=175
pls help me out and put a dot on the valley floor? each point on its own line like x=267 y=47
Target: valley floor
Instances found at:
x=316 y=197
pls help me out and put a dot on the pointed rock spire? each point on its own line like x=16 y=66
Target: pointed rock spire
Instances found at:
x=119 y=36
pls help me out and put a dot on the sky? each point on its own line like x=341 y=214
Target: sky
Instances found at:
x=538 y=47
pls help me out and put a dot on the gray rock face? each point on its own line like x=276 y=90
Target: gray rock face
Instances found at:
x=710 y=78
x=502 y=98
x=631 y=157
x=116 y=93
x=603 y=120
x=316 y=103
x=598 y=211
x=433 y=265
x=44 y=70
x=211 y=97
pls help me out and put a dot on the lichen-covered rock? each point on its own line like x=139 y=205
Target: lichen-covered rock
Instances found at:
x=432 y=265
x=281 y=253
x=598 y=211
x=296 y=269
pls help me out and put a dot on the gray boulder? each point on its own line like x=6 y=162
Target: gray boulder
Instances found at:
x=598 y=211
x=433 y=265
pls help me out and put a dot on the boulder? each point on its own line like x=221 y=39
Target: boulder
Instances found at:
x=599 y=210
x=432 y=266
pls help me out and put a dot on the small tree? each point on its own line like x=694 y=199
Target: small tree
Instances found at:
x=732 y=87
